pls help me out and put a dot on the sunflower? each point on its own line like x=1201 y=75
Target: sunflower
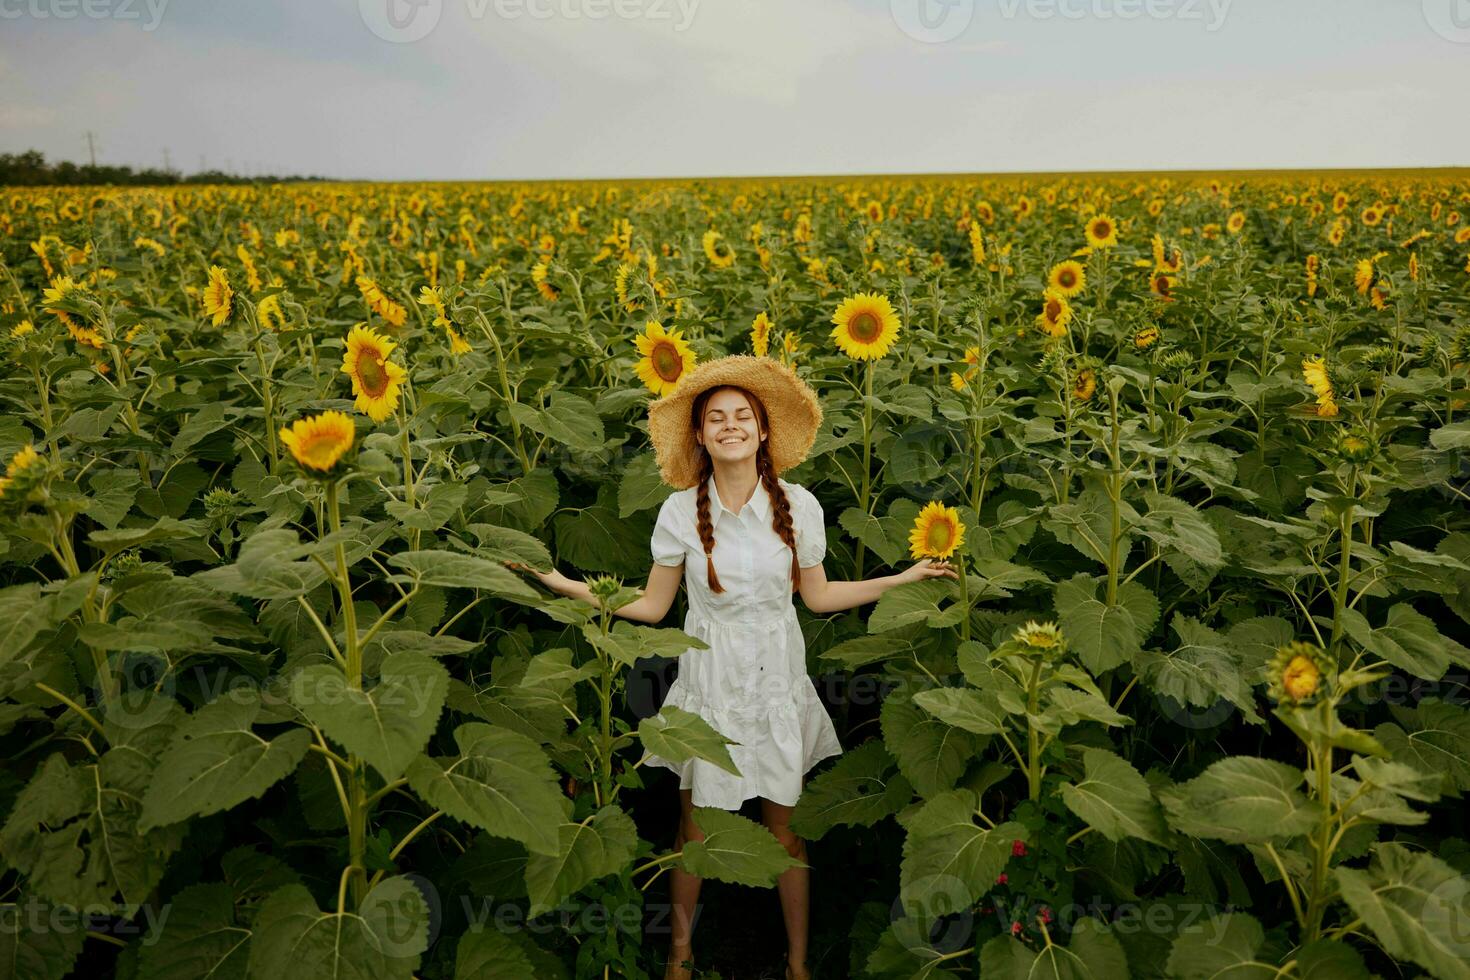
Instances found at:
x=1372 y=215
x=1024 y=207
x=1339 y=202
x=1067 y=278
x=1363 y=276
x=379 y=302
x=977 y=244
x=1102 y=232
x=1314 y=371
x=218 y=296
x=874 y=210
x=268 y=312
x=1040 y=639
x=620 y=287
x=937 y=532
x=866 y=326
x=760 y=334
x=1314 y=265
x=1055 y=314
x=548 y=292
x=375 y=379
x=19 y=463
x=1336 y=234
x=319 y=441
x=1161 y=284
x=1296 y=671
x=1146 y=337
x=717 y=250
x=666 y=358
x=1235 y=222
x=1084 y=384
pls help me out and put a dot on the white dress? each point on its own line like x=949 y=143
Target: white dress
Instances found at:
x=751 y=685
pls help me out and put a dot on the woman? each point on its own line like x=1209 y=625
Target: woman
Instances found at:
x=721 y=438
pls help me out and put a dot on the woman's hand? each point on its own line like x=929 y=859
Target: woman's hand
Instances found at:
x=553 y=579
x=925 y=569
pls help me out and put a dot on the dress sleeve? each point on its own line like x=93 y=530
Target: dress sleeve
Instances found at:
x=811 y=530
x=666 y=545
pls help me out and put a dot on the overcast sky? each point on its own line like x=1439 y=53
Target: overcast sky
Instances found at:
x=583 y=88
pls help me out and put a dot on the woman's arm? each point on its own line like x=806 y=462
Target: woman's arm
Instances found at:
x=652 y=604
x=822 y=596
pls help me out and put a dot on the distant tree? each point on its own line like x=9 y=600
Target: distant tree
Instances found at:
x=30 y=169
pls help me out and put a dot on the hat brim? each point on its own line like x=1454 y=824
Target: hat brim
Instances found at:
x=792 y=405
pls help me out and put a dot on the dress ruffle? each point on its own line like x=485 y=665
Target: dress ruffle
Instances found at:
x=779 y=744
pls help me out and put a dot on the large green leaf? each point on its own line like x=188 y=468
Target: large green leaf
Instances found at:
x=387 y=725
x=916 y=602
x=1105 y=636
x=1241 y=799
x=734 y=849
x=1115 y=800
x=678 y=735
x=1434 y=738
x=1408 y=640
x=964 y=707
x=601 y=845
x=382 y=939
x=272 y=564
x=931 y=754
x=1222 y=947
x=569 y=419
x=501 y=782
x=627 y=643
x=1416 y=905
x=949 y=860
x=861 y=788
x=451 y=569
x=30 y=948
x=201 y=938
x=1092 y=954
x=216 y=762
x=1200 y=671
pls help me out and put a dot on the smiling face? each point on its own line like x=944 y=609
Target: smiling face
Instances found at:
x=730 y=431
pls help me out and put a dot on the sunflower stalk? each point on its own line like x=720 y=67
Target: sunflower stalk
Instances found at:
x=866 y=489
x=356 y=810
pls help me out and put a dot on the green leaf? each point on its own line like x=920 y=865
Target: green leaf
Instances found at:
x=501 y=782
x=678 y=735
x=597 y=539
x=1176 y=526
x=1105 y=636
x=201 y=937
x=489 y=954
x=433 y=510
x=734 y=849
x=74 y=830
x=599 y=846
x=1241 y=800
x=963 y=707
x=269 y=566
x=1223 y=947
x=453 y=570
x=931 y=754
x=217 y=762
x=915 y=602
x=30 y=948
x=1115 y=800
x=387 y=725
x=1330 y=959
x=1198 y=672
x=949 y=861
x=627 y=644
x=1433 y=738
x=381 y=939
x=1417 y=906
x=24 y=613
x=861 y=788
x=506 y=543
x=860 y=651
x=1408 y=640
x=569 y=420
x=1093 y=954
x=873 y=532
x=641 y=487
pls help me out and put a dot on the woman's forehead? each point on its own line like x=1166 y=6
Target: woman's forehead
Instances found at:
x=726 y=401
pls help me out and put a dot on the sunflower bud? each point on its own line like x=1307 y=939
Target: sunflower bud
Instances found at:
x=1297 y=671
x=1040 y=639
x=604 y=586
x=1356 y=445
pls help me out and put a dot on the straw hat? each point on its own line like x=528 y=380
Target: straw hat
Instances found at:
x=794 y=413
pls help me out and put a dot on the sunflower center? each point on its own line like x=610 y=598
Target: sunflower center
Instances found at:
x=1053 y=309
x=865 y=327
x=667 y=363
x=370 y=374
x=1102 y=229
x=940 y=537
x=1066 y=279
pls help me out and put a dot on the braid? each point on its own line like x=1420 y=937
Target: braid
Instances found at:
x=780 y=509
x=706 y=529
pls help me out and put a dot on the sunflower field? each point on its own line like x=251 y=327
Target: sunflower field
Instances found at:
x=274 y=704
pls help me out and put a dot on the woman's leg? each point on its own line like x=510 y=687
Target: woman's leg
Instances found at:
x=683 y=894
x=793 y=884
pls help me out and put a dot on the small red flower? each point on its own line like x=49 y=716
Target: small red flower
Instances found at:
x=1045 y=914
x=1015 y=928
x=1018 y=848
x=1001 y=879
